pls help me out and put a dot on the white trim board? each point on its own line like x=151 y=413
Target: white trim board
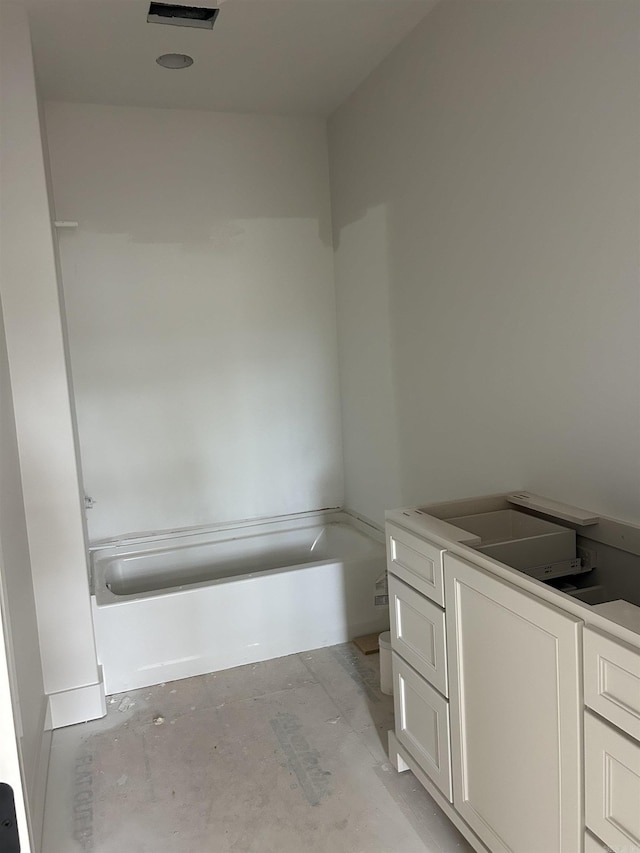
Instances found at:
x=38 y=794
x=77 y=705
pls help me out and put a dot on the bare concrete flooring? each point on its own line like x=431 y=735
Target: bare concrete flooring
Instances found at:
x=286 y=756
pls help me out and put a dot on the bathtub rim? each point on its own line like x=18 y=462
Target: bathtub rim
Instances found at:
x=100 y=557
x=135 y=542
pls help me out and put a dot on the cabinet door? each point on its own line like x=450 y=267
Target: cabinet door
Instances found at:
x=516 y=714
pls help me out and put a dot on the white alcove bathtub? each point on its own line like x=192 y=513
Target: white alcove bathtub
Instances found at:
x=201 y=602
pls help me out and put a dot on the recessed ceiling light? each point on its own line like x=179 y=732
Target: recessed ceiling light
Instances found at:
x=174 y=60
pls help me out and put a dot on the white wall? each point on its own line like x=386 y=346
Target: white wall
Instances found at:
x=201 y=314
x=37 y=370
x=17 y=602
x=370 y=419
x=491 y=166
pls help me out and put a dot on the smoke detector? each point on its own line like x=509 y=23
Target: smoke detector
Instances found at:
x=182 y=16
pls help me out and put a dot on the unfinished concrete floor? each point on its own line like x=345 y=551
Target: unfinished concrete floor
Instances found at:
x=285 y=756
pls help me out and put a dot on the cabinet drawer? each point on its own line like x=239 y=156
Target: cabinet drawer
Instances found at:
x=612 y=784
x=418 y=633
x=422 y=724
x=415 y=561
x=612 y=680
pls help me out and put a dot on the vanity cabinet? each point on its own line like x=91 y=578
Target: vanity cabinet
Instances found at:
x=515 y=713
x=515 y=708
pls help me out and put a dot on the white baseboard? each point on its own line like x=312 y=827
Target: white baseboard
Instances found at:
x=77 y=705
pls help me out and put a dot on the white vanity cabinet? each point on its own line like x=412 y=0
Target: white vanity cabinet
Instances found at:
x=488 y=706
x=516 y=714
x=517 y=706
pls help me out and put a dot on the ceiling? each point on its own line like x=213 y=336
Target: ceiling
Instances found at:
x=283 y=57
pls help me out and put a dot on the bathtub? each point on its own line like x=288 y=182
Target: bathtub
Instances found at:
x=197 y=603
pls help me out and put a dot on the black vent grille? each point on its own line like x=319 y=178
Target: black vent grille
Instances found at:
x=182 y=16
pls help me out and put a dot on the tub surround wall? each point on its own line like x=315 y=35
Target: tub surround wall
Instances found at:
x=201 y=313
x=44 y=430
x=490 y=165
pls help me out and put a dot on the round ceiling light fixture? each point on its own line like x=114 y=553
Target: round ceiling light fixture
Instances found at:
x=174 y=60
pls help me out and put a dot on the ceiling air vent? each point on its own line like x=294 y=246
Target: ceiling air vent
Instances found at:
x=182 y=16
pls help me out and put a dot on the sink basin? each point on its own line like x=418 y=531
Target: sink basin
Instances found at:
x=519 y=540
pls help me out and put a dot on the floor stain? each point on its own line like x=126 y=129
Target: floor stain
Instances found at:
x=365 y=678
x=83 y=802
x=301 y=758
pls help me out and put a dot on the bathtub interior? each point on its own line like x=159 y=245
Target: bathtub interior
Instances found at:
x=183 y=563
